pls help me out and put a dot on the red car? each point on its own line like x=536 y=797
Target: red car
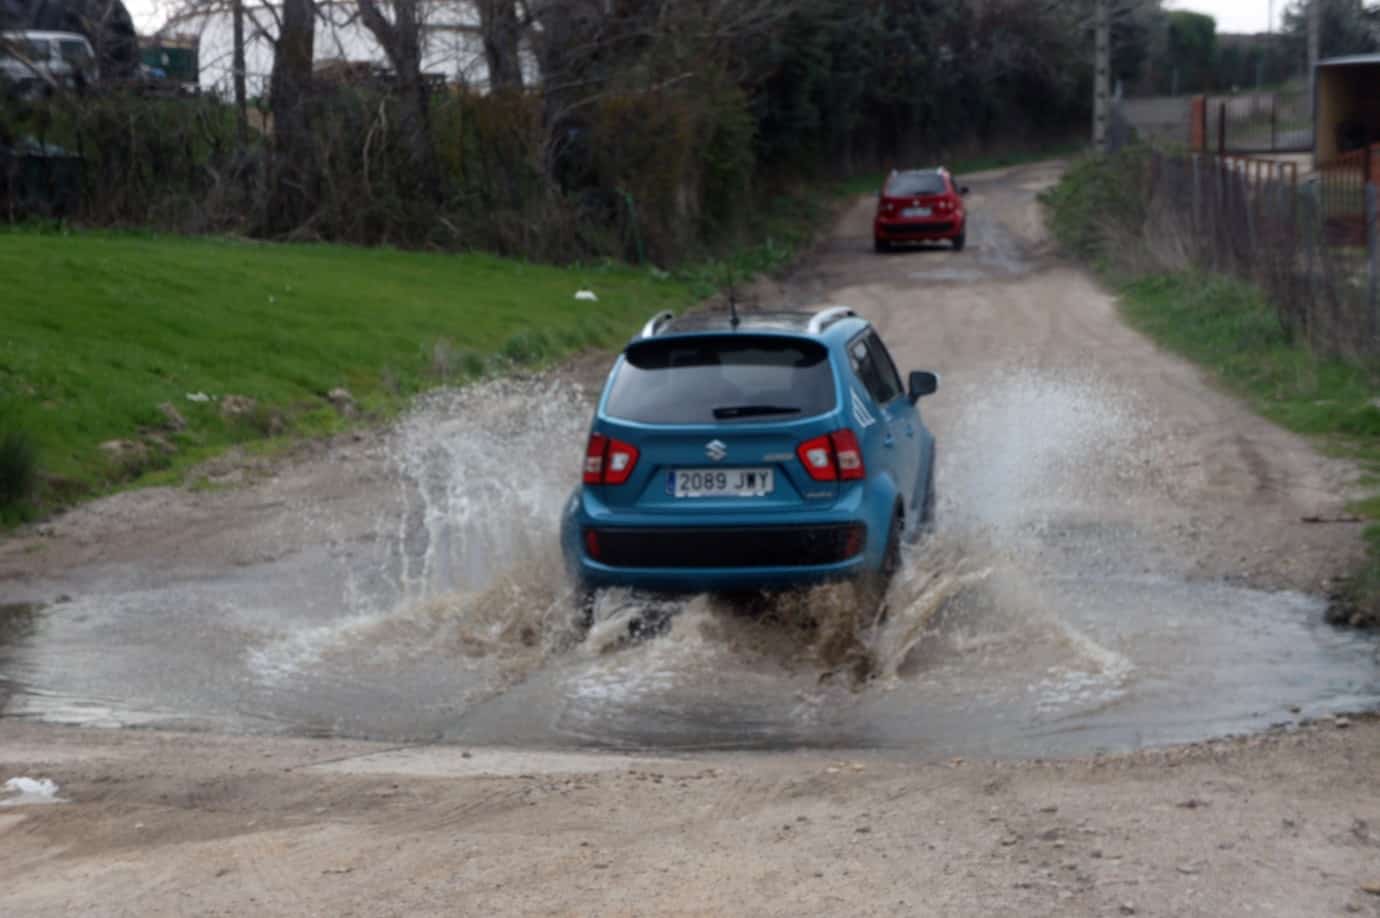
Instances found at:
x=921 y=205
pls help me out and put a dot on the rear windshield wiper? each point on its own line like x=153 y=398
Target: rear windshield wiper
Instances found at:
x=752 y=411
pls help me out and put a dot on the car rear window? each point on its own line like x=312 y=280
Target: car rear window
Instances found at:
x=722 y=379
x=913 y=183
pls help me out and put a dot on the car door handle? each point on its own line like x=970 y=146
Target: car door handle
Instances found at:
x=889 y=440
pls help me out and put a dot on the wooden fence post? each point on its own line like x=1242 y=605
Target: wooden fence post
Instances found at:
x=1311 y=217
x=1371 y=266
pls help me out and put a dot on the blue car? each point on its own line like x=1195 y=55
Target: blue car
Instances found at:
x=765 y=452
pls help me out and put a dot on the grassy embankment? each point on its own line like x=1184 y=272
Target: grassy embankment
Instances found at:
x=1226 y=325
x=101 y=330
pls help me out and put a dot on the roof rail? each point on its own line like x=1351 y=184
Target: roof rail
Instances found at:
x=655 y=323
x=826 y=317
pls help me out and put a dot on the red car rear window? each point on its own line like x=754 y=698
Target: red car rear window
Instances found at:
x=909 y=184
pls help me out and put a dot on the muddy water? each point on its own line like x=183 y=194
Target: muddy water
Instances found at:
x=1040 y=618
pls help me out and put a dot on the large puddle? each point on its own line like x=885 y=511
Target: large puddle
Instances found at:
x=1040 y=619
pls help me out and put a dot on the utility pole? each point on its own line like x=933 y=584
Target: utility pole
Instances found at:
x=1102 y=75
x=237 y=68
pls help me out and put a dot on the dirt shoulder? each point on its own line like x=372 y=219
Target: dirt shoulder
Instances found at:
x=160 y=823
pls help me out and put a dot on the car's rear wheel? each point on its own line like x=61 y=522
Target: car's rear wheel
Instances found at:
x=881 y=246
x=960 y=241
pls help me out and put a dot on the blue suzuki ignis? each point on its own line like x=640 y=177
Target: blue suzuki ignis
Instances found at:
x=766 y=452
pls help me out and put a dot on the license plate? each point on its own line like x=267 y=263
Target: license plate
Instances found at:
x=916 y=212
x=719 y=482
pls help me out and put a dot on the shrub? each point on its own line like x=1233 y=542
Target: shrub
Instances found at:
x=526 y=347
x=18 y=467
x=1100 y=200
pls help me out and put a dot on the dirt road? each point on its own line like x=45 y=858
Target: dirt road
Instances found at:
x=1121 y=563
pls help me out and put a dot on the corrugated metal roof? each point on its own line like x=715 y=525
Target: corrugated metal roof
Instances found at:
x=1355 y=60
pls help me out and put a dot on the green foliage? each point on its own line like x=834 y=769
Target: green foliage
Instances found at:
x=1191 y=49
x=1346 y=27
x=1097 y=196
x=101 y=330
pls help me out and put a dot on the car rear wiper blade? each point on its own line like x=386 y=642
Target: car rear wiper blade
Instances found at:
x=749 y=411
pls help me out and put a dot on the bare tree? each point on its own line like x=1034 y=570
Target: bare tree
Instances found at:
x=237 y=69
x=401 y=39
x=501 y=30
x=290 y=199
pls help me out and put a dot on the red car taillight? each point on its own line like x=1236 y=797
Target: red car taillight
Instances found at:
x=849 y=455
x=832 y=457
x=608 y=461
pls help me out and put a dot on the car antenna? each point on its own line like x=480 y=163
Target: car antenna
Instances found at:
x=733 y=319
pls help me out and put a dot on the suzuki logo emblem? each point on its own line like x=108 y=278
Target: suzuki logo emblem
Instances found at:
x=716 y=450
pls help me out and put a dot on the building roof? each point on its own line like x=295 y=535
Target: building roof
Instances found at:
x=1354 y=60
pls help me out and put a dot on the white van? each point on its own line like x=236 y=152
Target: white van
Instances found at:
x=37 y=61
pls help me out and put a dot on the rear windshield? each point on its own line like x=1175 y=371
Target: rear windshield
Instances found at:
x=913 y=183
x=716 y=380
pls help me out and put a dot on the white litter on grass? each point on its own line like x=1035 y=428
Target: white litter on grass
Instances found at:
x=30 y=791
x=198 y=397
x=586 y=296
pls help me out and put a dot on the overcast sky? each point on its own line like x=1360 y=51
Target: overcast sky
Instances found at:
x=1234 y=15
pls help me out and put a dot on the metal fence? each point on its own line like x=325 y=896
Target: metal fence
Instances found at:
x=1309 y=242
x=1268 y=122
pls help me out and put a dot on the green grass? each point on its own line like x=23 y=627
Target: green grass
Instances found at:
x=871 y=182
x=1226 y=325
x=99 y=330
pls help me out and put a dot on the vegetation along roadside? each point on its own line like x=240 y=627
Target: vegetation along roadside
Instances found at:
x=131 y=358
x=1227 y=324
x=111 y=340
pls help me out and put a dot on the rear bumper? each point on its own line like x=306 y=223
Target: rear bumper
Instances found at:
x=916 y=232
x=725 y=546
x=715 y=579
x=697 y=556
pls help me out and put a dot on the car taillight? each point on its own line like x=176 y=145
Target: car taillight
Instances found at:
x=849 y=455
x=817 y=456
x=832 y=457
x=608 y=461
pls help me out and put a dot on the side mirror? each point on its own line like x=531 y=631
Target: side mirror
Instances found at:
x=923 y=383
